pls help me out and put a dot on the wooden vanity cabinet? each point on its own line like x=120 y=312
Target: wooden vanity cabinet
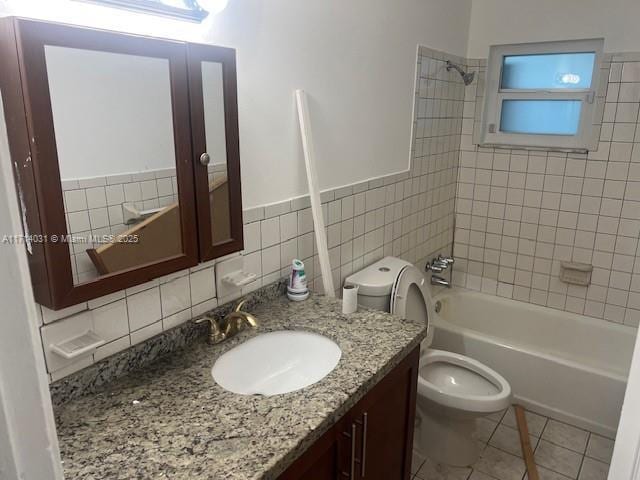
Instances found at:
x=374 y=440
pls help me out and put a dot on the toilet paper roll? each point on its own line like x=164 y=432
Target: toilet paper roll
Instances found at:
x=349 y=299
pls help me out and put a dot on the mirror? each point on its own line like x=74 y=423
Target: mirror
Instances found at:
x=134 y=156
x=114 y=132
x=216 y=149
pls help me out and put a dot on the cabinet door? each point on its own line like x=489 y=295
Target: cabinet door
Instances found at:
x=372 y=441
x=110 y=165
x=216 y=154
x=327 y=458
x=385 y=419
x=334 y=456
x=322 y=467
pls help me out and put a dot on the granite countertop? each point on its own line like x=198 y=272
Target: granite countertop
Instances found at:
x=171 y=420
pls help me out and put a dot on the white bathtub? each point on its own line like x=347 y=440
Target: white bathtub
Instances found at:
x=566 y=366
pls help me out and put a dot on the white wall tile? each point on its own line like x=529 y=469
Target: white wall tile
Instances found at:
x=271 y=260
x=98 y=218
x=75 y=366
x=252 y=238
x=146 y=333
x=164 y=187
x=176 y=320
x=253 y=263
x=203 y=285
x=288 y=226
x=149 y=189
x=75 y=200
x=110 y=321
x=132 y=192
x=305 y=245
x=112 y=348
x=114 y=194
x=305 y=221
x=270 y=232
x=200 y=308
x=96 y=197
x=176 y=295
x=79 y=221
x=629 y=92
x=144 y=308
x=49 y=316
x=288 y=252
x=631 y=72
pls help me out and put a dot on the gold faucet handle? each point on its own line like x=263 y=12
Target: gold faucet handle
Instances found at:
x=250 y=319
x=206 y=318
x=215 y=333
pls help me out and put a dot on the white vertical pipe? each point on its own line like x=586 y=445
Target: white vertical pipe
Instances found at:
x=314 y=192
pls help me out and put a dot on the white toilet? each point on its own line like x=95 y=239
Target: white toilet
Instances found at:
x=453 y=390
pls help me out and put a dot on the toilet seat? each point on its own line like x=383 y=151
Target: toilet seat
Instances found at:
x=479 y=388
x=410 y=296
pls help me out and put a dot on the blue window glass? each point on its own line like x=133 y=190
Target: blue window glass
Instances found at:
x=541 y=117
x=556 y=70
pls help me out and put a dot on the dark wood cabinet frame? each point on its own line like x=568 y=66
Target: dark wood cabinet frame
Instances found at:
x=32 y=143
x=329 y=457
x=227 y=58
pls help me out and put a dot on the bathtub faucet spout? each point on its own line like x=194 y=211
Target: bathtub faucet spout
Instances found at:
x=436 y=280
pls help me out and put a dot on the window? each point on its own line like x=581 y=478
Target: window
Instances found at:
x=185 y=9
x=542 y=95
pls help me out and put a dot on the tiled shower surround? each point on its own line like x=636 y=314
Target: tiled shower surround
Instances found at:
x=520 y=213
x=409 y=215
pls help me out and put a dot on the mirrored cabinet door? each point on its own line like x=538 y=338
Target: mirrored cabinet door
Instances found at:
x=214 y=126
x=111 y=154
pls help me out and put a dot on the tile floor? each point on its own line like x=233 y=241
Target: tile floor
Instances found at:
x=562 y=452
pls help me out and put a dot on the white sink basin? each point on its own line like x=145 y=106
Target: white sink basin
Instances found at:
x=276 y=362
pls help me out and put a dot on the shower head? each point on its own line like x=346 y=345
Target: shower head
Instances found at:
x=467 y=78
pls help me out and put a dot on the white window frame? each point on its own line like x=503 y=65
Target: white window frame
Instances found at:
x=494 y=96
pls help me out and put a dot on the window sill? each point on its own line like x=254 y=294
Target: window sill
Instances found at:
x=500 y=146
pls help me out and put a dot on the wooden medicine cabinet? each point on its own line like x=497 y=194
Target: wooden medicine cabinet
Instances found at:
x=126 y=155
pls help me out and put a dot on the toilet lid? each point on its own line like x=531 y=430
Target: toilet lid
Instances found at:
x=410 y=296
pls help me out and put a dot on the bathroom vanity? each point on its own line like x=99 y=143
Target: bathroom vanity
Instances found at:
x=171 y=420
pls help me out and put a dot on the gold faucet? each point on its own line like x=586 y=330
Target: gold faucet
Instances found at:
x=230 y=325
x=234 y=321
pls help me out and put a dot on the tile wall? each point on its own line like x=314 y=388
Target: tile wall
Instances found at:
x=94 y=208
x=520 y=213
x=409 y=215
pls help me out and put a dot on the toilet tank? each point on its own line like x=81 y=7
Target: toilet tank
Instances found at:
x=376 y=281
